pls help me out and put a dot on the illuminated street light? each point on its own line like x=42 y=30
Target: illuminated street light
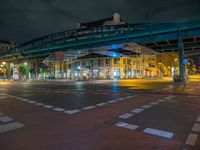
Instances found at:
x=4 y=63
x=25 y=63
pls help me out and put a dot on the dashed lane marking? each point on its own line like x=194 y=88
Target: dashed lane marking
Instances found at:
x=191 y=139
x=120 y=99
x=10 y=126
x=137 y=110
x=146 y=106
x=48 y=106
x=111 y=101
x=5 y=119
x=168 y=98
x=101 y=104
x=39 y=104
x=72 y=111
x=59 y=109
x=31 y=102
x=161 y=100
x=129 y=97
x=196 y=128
x=22 y=99
x=154 y=103
x=126 y=115
x=88 y=107
x=160 y=133
x=126 y=125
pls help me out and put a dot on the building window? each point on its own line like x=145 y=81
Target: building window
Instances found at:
x=151 y=65
x=128 y=62
x=116 y=61
x=107 y=61
x=124 y=61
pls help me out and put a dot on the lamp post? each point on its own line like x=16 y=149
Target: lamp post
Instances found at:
x=4 y=70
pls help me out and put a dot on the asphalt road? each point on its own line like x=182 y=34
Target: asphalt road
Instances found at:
x=100 y=114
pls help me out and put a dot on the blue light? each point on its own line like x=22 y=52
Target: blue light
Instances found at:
x=185 y=61
x=114 y=46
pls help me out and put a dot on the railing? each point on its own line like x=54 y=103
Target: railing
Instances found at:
x=52 y=41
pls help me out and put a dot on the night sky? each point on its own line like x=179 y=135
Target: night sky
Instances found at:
x=23 y=20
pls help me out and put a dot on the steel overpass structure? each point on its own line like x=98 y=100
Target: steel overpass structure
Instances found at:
x=183 y=37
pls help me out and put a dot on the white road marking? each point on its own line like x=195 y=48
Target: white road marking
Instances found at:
x=196 y=127
x=88 y=107
x=126 y=125
x=5 y=119
x=59 y=109
x=10 y=126
x=19 y=98
x=48 y=106
x=101 y=104
x=137 y=110
x=126 y=115
x=160 y=133
x=168 y=98
x=72 y=111
x=39 y=104
x=191 y=139
x=111 y=101
x=154 y=103
x=146 y=106
x=129 y=97
x=120 y=99
x=161 y=100
x=198 y=119
x=31 y=102
x=23 y=99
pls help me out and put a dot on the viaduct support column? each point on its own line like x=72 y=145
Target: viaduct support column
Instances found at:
x=181 y=55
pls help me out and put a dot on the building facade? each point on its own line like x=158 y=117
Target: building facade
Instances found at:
x=126 y=67
x=5 y=46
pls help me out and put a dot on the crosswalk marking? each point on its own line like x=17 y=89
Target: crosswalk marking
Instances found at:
x=137 y=110
x=127 y=125
x=10 y=126
x=126 y=115
x=191 y=139
x=160 y=133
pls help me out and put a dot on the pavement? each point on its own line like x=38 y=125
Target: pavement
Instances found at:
x=139 y=114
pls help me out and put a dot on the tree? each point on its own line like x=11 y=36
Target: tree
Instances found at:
x=22 y=71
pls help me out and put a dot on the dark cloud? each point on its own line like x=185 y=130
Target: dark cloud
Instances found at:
x=22 y=20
